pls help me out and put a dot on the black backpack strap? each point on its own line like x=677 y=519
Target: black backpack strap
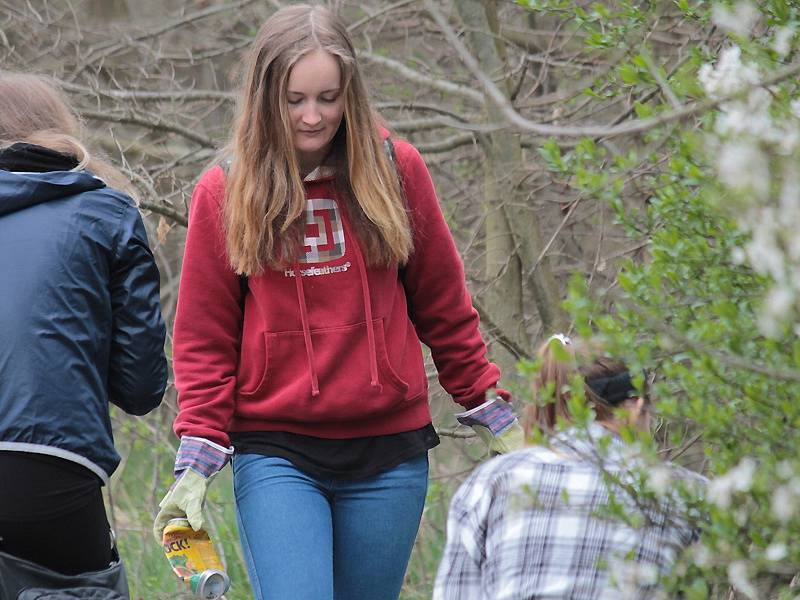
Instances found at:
x=243 y=287
x=388 y=145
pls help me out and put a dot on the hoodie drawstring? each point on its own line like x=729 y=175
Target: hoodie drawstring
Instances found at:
x=362 y=275
x=301 y=297
x=373 y=352
x=372 y=346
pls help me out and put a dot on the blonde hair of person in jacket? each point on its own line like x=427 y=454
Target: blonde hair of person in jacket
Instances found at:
x=33 y=110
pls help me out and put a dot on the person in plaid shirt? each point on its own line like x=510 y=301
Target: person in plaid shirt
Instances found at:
x=528 y=524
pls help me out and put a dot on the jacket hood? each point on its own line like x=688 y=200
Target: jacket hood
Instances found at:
x=21 y=190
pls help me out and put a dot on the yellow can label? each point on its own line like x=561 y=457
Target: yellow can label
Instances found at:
x=189 y=551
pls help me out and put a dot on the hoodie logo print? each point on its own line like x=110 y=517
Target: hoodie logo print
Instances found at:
x=324 y=234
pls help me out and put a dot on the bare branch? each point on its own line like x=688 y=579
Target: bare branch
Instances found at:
x=416 y=77
x=446 y=145
x=457 y=433
x=353 y=26
x=176 y=95
x=153 y=122
x=167 y=211
x=109 y=47
x=632 y=126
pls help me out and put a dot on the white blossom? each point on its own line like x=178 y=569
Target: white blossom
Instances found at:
x=785 y=469
x=659 y=479
x=749 y=116
x=702 y=555
x=729 y=75
x=789 y=139
x=740 y=516
x=743 y=166
x=740 y=580
x=752 y=147
x=630 y=577
x=782 y=40
x=777 y=307
x=762 y=248
x=790 y=194
x=739 y=21
x=776 y=552
x=784 y=503
x=738 y=479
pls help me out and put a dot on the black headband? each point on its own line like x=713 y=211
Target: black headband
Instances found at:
x=613 y=390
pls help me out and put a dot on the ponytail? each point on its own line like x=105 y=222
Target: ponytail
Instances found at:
x=562 y=360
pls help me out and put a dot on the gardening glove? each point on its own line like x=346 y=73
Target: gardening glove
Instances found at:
x=495 y=423
x=196 y=463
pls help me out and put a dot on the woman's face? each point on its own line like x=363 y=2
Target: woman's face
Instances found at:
x=316 y=106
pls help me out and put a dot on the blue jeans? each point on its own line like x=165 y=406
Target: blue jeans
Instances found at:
x=309 y=539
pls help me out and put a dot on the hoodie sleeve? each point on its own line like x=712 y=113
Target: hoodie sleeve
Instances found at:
x=440 y=304
x=208 y=321
x=137 y=373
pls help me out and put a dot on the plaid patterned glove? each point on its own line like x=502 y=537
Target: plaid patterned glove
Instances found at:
x=495 y=422
x=197 y=461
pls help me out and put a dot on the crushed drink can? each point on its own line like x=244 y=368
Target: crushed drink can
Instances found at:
x=192 y=557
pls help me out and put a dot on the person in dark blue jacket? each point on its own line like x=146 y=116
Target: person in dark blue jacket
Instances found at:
x=80 y=326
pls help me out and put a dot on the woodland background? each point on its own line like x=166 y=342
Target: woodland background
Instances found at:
x=625 y=169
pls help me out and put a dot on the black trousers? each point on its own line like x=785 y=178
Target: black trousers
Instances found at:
x=52 y=513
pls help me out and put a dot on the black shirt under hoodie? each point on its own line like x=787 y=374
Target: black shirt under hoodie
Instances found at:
x=350 y=459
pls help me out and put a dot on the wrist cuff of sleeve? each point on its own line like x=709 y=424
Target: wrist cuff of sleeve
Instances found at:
x=494 y=416
x=201 y=455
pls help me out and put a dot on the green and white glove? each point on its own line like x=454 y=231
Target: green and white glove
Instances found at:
x=495 y=423
x=185 y=499
x=196 y=463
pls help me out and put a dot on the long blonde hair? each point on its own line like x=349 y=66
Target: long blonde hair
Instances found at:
x=560 y=363
x=34 y=111
x=265 y=199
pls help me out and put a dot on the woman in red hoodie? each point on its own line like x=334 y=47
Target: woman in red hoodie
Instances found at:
x=317 y=259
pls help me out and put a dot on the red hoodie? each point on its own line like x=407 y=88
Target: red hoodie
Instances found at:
x=330 y=347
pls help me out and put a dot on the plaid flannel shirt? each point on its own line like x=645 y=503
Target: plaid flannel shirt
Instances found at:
x=526 y=526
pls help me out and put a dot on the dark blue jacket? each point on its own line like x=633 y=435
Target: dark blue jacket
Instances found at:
x=80 y=319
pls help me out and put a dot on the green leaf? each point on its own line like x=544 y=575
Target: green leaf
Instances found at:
x=629 y=74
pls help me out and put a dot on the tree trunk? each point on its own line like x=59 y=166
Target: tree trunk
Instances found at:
x=513 y=238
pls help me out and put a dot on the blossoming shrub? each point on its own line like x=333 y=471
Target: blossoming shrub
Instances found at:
x=711 y=309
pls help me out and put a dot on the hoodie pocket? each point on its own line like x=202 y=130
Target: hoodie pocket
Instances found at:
x=342 y=363
x=252 y=363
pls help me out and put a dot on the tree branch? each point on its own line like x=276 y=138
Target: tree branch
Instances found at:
x=353 y=26
x=155 y=123
x=497 y=333
x=632 y=126
x=160 y=209
x=148 y=96
x=416 y=77
x=738 y=362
